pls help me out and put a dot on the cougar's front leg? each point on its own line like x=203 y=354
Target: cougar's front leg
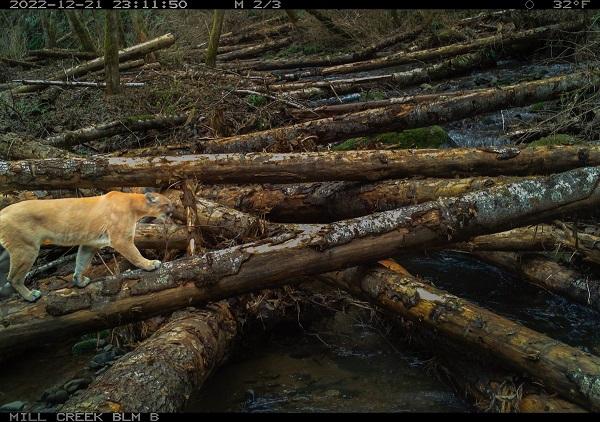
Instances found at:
x=133 y=255
x=84 y=257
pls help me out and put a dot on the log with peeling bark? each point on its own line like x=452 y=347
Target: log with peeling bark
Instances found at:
x=368 y=165
x=215 y=275
x=455 y=66
x=125 y=125
x=406 y=116
x=260 y=25
x=504 y=40
x=179 y=357
x=565 y=369
x=549 y=275
x=75 y=84
x=255 y=50
x=361 y=54
x=126 y=54
x=61 y=53
x=15 y=147
x=260 y=33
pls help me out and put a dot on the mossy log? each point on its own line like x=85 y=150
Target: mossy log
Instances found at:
x=116 y=127
x=405 y=116
x=165 y=369
x=215 y=275
x=126 y=54
x=102 y=172
x=549 y=275
x=562 y=368
x=494 y=41
x=427 y=137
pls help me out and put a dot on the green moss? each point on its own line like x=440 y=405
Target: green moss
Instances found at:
x=84 y=346
x=558 y=139
x=372 y=95
x=256 y=100
x=538 y=106
x=428 y=137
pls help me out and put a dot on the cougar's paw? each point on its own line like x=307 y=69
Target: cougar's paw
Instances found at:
x=33 y=296
x=153 y=265
x=81 y=280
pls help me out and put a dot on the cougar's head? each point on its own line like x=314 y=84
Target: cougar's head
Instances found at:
x=158 y=205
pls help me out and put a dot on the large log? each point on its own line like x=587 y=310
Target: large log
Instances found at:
x=504 y=40
x=215 y=275
x=255 y=50
x=15 y=147
x=259 y=33
x=178 y=357
x=129 y=53
x=549 y=275
x=366 y=165
x=405 y=116
x=571 y=372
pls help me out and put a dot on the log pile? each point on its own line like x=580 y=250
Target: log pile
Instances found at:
x=273 y=216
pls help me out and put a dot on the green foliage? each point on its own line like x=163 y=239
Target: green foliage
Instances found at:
x=557 y=139
x=372 y=95
x=428 y=137
x=256 y=100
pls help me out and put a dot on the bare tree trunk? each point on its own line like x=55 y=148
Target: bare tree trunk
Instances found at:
x=79 y=28
x=219 y=274
x=111 y=53
x=565 y=369
x=49 y=29
x=215 y=34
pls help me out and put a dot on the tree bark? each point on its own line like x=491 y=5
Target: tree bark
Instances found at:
x=111 y=53
x=78 y=27
x=129 y=53
x=215 y=34
x=49 y=29
x=328 y=23
x=404 y=116
x=565 y=369
x=504 y=40
x=116 y=127
x=549 y=275
x=368 y=165
x=14 y=147
x=137 y=295
x=178 y=357
x=259 y=33
x=255 y=50
x=292 y=15
x=141 y=33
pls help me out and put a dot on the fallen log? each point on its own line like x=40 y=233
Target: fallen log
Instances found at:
x=405 y=116
x=548 y=275
x=368 y=165
x=503 y=40
x=255 y=50
x=215 y=275
x=257 y=25
x=15 y=147
x=178 y=357
x=126 y=54
x=116 y=127
x=62 y=53
x=565 y=369
x=361 y=54
x=22 y=63
x=455 y=66
x=131 y=64
x=325 y=202
x=75 y=84
x=260 y=33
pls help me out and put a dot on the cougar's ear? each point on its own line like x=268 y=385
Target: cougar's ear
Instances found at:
x=151 y=198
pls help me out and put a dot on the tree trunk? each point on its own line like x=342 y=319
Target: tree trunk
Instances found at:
x=548 y=275
x=104 y=130
x=255 y=50
x=179 y=357
x=504 y=40
x=139 y=294
x=369 y=165
x=141 y=33
x=328 y=23
x=405 y=116
x=129 y=53
x=49 y=29
x=565 y=369
x=79 y=28
x=215 y=34
x=111 y=53
x=292 y=15
x=14 y=147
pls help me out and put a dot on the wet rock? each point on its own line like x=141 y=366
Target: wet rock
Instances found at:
x=105 y=358
x=13 y=406
x=77 y=384
x=56 y=396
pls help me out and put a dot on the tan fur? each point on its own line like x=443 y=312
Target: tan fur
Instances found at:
x=92 y=223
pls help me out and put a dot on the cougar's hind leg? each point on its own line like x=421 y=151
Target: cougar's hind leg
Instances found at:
x=21 y=262
x=84 y=257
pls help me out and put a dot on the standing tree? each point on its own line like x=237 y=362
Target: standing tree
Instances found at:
x=111 y=53
x=49 y=29
x=81 y=31
x=141 y=33
x=121 y=29
x=213 y=41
